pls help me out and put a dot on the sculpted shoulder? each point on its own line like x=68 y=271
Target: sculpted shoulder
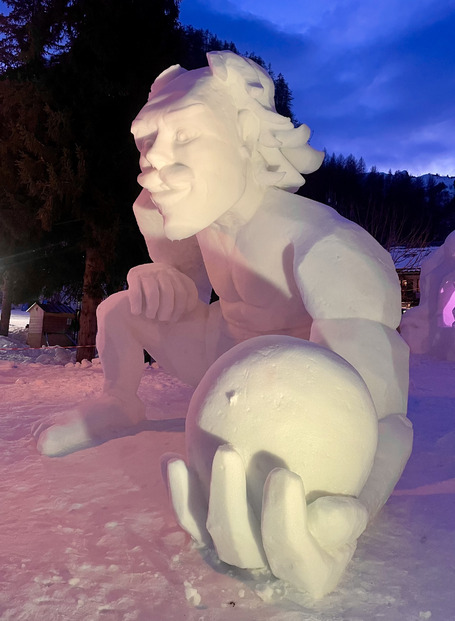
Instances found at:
x=300 y=217
x=340 y=269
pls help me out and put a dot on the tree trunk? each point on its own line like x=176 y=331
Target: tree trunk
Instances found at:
x=92 y=295
x=6 y=305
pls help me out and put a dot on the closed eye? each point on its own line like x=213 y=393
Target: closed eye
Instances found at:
x=145 y=143
x=183 y=136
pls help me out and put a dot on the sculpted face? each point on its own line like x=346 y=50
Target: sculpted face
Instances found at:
x=191 y=159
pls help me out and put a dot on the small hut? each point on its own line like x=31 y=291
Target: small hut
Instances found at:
x=50 y=324
x=408 y=263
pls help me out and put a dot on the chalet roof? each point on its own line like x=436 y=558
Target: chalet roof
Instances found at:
x=54 y=308
x=410 y=259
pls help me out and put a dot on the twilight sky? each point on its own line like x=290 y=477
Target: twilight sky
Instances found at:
x=375 y=78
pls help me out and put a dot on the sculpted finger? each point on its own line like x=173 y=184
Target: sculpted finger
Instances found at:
x=293 y=553
x=231 y=523
x=180 y=299
x=134 y=292
x=336 y=520
x=151 y=293
x=166 y=304
x=187 y=500
x=192 y=296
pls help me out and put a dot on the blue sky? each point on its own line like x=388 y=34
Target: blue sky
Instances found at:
x=375 y=78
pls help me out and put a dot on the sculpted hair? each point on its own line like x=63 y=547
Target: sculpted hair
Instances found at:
x=279 y=152
x=283 y=150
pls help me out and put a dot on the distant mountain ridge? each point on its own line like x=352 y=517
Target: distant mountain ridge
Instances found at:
x=447 y=180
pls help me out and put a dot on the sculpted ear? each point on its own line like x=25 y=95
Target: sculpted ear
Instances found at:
x=249 y=129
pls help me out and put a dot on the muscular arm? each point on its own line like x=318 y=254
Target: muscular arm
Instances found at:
x=350 y=288
x=184 y=255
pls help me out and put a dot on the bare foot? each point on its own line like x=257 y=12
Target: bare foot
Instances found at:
x=87 y=424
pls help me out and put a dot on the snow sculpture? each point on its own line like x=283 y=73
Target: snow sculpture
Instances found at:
x=430 y=327
x=297 y=430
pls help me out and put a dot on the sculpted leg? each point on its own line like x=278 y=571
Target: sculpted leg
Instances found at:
x=120 y=344
x=121 y=339
x=118 y=409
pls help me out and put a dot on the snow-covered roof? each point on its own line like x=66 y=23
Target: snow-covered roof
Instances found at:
x=53 y=307
x=410 y=258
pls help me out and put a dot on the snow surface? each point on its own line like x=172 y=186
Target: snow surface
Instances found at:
x=92 y=536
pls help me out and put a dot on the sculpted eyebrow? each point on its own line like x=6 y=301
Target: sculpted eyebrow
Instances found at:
x=143 y=126
x=140 y=129
x=189 y=110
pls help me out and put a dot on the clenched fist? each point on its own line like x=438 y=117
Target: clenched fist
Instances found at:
x=160 y=292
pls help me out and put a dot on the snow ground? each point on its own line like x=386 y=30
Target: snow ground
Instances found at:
x=91 y=536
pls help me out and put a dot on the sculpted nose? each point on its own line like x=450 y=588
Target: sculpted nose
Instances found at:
x=157 y=154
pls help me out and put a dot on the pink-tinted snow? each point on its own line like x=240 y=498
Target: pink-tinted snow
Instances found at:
x=91 y=536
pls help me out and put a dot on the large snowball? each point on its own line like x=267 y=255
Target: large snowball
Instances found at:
x=285 y=402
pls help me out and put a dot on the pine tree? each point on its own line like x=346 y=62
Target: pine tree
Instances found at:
x=100 y=74
x=116 y=51
x=40 y=178
x=391 y=207
x=283 y=98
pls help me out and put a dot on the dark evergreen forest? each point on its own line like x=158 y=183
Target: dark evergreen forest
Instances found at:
x=396 y=208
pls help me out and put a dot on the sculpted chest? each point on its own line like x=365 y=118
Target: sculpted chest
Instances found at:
x=256 y=273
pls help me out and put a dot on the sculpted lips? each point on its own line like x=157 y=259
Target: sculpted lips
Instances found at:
x=170 y=182
x=172 y=177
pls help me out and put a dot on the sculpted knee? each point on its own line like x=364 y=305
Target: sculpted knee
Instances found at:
x=112 y=311
x=116 y=303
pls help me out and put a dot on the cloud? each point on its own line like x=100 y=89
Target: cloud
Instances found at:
x=248 y=32
x=372 y=78
x=396 y=94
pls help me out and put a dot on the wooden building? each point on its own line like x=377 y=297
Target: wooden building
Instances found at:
x=408 y=263
x=50 y=324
